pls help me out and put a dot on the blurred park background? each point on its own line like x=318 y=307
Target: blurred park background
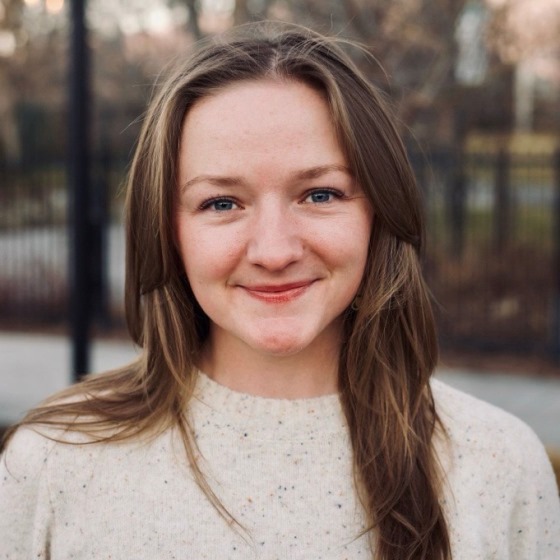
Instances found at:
x=475 y=85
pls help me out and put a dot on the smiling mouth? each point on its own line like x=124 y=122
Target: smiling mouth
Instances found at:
x=280 y=293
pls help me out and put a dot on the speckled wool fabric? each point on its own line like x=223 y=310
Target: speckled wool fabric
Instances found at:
x=283 y=469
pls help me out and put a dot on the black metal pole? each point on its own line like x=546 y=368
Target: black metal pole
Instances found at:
x=556 y=264
x=502 y=203
x=80 y=228
x=457 y=203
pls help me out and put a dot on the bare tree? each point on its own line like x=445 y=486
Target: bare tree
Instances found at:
x=10 y=28
x=414 y=42
x=193 y=10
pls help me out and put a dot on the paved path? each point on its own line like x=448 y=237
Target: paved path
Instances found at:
x=34 y=366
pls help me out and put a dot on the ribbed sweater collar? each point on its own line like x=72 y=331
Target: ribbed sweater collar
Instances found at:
x=267 y=418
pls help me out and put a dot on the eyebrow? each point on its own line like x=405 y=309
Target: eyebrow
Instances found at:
x=310 y=173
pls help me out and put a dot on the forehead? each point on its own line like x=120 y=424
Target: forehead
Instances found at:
x=258 y=119
x=262 y=97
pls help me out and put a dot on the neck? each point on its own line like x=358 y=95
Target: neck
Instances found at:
x=309 y=373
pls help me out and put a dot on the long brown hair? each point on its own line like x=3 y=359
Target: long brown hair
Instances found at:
x=390 y=347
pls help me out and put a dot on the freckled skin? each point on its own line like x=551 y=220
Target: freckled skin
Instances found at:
x=273 y=232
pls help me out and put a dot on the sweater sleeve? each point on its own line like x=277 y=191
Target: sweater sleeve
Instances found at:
x=535 y=515
x=25 y=506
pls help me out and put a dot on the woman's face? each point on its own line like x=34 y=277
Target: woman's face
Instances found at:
x=272 y=228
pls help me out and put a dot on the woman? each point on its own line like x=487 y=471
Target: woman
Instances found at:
x=281 y=407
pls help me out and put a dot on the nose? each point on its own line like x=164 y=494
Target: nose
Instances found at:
x=275 y=239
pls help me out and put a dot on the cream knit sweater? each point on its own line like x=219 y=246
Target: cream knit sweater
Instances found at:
x=283 y=469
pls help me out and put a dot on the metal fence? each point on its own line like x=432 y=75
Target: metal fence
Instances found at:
x=35 y=245
x=492 y=259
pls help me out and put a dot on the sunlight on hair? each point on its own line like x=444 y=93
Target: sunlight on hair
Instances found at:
x=226 y=6
x=7 y=43
x=54 y=6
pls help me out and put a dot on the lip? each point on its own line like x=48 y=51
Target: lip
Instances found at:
x=278 y=293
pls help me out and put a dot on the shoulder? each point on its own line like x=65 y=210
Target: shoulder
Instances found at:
x=49 y=465
x=24 y=494
x=500 y=487
x=469 y=420
x=26 y=451
x=29 y=451
x=483 y=443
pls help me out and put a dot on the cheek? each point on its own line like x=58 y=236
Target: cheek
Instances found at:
x=350 y=244
x=206 y=256
x=353 y=251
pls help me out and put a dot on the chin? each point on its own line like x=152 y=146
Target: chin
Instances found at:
x=279 y=346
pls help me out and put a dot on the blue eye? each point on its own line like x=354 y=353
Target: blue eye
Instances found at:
x=322 y=196
x=219 y=205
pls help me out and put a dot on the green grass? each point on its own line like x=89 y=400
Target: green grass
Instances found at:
x=529 y=226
